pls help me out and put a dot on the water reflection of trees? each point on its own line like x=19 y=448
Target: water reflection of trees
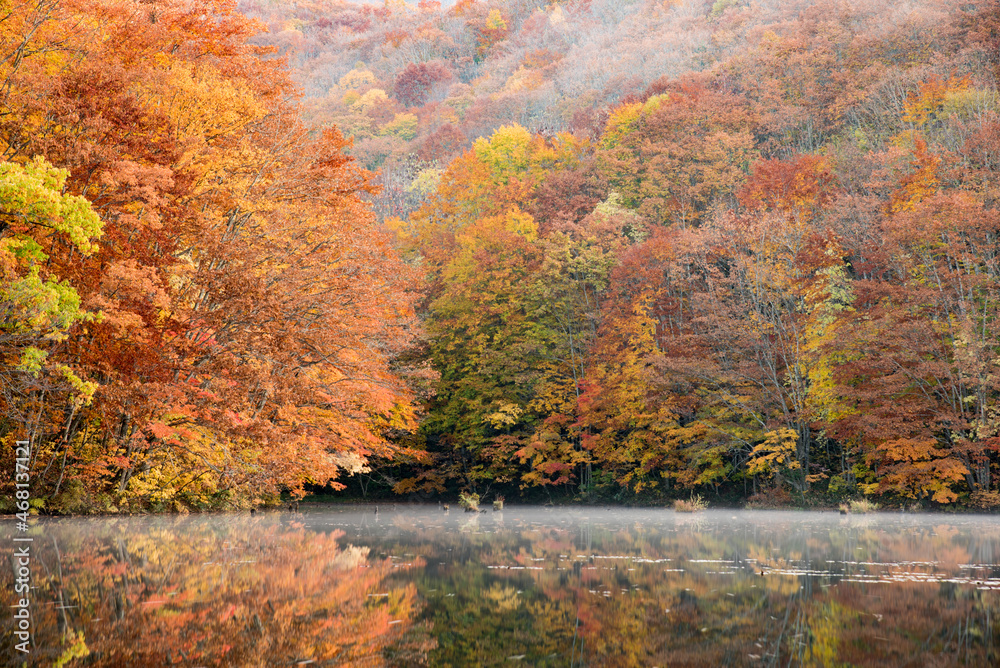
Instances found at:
x=246 y=591
x=752 y=591
x=693 y=594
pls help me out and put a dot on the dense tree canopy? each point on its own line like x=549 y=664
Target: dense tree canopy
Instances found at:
x=606 y=248
x=772 y=275
x=200 y=308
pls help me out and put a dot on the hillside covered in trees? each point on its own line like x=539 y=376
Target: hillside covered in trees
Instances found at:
x=589 y=249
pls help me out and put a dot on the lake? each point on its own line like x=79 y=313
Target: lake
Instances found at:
x=532 y=586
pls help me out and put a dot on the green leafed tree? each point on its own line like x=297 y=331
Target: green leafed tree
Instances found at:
x=37 y=301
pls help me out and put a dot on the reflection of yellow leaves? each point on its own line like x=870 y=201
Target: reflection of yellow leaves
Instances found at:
x=827 y=626
x=503 y=598
x=303 y=594
x=76 y=648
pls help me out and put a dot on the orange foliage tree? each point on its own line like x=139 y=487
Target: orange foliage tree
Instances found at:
x=245 y=305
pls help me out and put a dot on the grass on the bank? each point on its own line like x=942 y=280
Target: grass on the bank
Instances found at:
x=859 y=506
x=692 y=505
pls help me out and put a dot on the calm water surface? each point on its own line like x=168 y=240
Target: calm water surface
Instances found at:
x=414 y=585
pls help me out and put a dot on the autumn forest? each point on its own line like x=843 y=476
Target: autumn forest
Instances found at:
x=625 y=251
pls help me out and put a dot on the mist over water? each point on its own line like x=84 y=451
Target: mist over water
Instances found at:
x=412 y=585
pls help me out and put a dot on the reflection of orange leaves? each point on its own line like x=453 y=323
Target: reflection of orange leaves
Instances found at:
x=308 y=609
x=227 y=613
